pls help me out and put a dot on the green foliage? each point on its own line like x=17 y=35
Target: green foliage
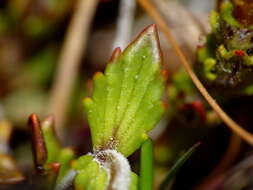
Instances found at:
x=90 y=175
x=51 y=141
x=134 y=182
x=227 y=14
x=125 y=103
x=55 y=153
x=226 y=59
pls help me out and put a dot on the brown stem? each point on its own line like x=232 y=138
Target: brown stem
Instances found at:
x=71 y=53
x=237 y=129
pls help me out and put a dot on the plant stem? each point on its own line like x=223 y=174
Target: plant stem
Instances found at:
x=146 y=168
x=71 y=53
x=236 y=128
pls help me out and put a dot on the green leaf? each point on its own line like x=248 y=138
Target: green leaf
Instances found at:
x=125 y=103
x=90 y=175
x=64 y=158
x=56 y=153
x=51 y=141
x=176 y=167
x=51 y=159
x=134 y=182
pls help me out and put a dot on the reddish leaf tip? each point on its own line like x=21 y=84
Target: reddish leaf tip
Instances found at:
x=199 y=107
x=165 y=105
x=151 y=28
x=54 y=166
x=98 y=74
x=33 y=119
x=38 y=144
x=164 y=74
x=151 y=33
x=115 y=54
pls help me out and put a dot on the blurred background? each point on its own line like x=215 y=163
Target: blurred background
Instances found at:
x=49 y=51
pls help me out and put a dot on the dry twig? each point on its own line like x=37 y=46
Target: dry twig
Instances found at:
x=69 y=60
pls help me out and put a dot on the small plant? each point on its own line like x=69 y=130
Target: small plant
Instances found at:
x=226 y=59
x=124 y=106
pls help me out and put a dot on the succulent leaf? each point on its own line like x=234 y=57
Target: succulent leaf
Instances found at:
x=96 y=174
x=51 y=141
x=39 y=147
x=125 y=103
x=90 y=175
x=65 y=156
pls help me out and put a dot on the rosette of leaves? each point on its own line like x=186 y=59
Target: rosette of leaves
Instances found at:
x=226 y=58
x=124 y=106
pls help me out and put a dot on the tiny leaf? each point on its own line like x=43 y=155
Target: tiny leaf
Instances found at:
x=38 y=143
x=51 y=141
x=90 y=175
x=52 y=160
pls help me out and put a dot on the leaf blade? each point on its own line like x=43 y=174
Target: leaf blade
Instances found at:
x=130 y=77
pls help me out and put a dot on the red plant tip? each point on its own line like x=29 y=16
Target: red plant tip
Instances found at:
x=115 y=54
x=98 y=74
x=199 y=107
x=33 y=120
x=38 y=144
x=165 y=105
x=239 y=53
x=89 y=86
x=54 y=166
x=151 y=27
